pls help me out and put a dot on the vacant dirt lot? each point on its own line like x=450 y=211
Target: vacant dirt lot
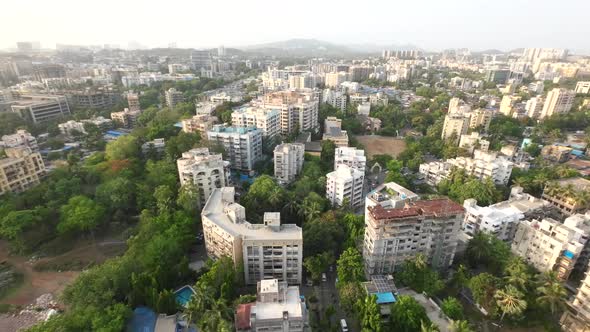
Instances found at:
x=375 y=144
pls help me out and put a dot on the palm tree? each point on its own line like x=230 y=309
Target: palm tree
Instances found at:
x=428 y=327
x=460 y=326
x=552 y=292
x=311 y=210
x=517 y=274
x=420 y=261
x=479 y=246
x=275 y=196
x=510 y=301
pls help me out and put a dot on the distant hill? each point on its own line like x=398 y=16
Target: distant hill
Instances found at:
x=314 y=47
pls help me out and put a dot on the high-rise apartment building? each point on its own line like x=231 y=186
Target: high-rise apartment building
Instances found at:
x=200 y=123
x=481 y=118
x=334 y=133
x=507 y=105
x=351 y=157
x=558 y=101
x=133 y=101
x=267 y=251
x=534 y=107
x=345 y=184
x=333 y=80
x=550 y=245
x=243 y=145
x=455 y=125
x=205 y=170
x=20 y=139
x=174 y=97
x=336 y=99
x=288 y=161
x=298 y=110
x=396 y=234
x=266 y=120
x=21 y=169
x=41 y=108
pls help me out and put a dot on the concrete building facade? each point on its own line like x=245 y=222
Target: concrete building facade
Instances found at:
x=345 y=184
x=20 y=170
x=288 y=161
x=243 y=145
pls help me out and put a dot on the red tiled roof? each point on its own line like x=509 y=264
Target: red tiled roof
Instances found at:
x=434 y=207
x=243 y=316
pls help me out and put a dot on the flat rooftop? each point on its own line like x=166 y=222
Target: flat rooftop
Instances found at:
x=274 y=310
x=215 y=210
x=434 y=208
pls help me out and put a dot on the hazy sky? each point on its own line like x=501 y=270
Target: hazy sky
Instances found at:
x=431 y=24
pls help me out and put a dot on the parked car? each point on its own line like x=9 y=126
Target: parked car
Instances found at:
x=343 y=325
x=324 y=278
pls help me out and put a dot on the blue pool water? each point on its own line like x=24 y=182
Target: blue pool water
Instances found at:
x=183 y=295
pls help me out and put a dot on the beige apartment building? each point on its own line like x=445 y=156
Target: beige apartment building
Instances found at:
x=20 y=170
x=267 y=251
x=199 y=123
x=558 y=101
x=126 y=118
x=396 y=234
x=550 y=245
x=298 y=110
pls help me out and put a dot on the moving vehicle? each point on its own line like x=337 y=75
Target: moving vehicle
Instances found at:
x=343 y=325
x=324 y=278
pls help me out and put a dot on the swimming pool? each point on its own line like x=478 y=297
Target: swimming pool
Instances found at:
x=184 y=294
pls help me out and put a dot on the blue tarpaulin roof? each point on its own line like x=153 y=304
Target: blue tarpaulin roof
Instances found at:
x=568 y=254
x=143 y=320
x=383 y=298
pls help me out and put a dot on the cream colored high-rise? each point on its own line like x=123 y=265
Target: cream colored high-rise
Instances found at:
x=507 y=105
x=558 y=101
x=203 y=169
x=267 y=120
x=455 y=125
x=534 y=107
x=267 y=251
x=298 y=110
x=288 y=161
x=199 y=123
x=20 y=170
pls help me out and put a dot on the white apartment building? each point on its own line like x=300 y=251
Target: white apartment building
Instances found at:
x=481 y=118
x=434 y=172
x=133 y=101
x=174 y=97
x=41 y=108
x=474 y=140
x=534 y=107
x=345 y=183
x=583 y=87
x=350 y=156
x=267 y=120
x=278 y=307
x=20 y=139
x=21 y=169
x=536 y=87
x=482 y=165
x=577 y=317
x=500 y=219
x=243 y=145
x=550 y=245
x=288 y=161
x=558 y=101
x=336 y=99
x=363 y=108
x=200 y=123
x=70 y=127
x=267 y=251
x=334 y=79
x=205 y=170
x=298 y=110
x=396 y=234
x=389 y=195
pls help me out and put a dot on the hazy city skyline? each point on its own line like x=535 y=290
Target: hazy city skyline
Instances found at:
x=432 y=25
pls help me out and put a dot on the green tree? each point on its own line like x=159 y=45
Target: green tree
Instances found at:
x=407 y=315
x=370 y=315
x=188 y=198
x=117 y=193
x=81 y=214
x=318 y=264
x=510 y=301
x=350 y=294
x=428 y=327
x=327 y=155
x=483 y=286
x=350 y=266
x=517 y=273
x=460 y=326
x=416 y=274
x=125 y=147
x=552 y=293
x=452 y=308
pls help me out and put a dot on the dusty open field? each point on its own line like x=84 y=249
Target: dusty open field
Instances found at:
x=375 y=144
